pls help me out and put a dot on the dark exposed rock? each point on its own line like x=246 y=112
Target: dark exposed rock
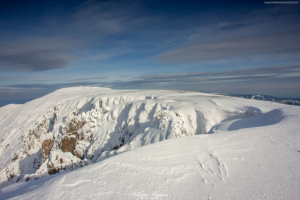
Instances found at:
x=79 y=136
x=15 y=158
x=46 y=147
x=67 y=144
x=115 y=147
x=75 y=125
x=78 y=154
x=53 y=171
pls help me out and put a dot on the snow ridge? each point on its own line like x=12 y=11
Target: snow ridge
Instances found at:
x=75 y=132
x=74 y=127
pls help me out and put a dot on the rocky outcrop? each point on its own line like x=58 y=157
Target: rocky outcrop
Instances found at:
x=68 y=144
x=78 y=154
x=74 y=125
x=75 y=133
x=46 y=147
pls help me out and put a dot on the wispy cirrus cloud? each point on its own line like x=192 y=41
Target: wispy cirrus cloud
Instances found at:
x=246 y=47
x=106 y=17
x=39 y=54
x=87 y=32
x=281 y=81
x=177 y=79
x=277 y=81
x=55 y=86
x=254 y=74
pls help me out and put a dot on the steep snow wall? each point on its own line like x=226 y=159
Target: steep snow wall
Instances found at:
x=74 y=127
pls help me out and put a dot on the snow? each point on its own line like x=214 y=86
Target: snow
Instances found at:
x=176 y=145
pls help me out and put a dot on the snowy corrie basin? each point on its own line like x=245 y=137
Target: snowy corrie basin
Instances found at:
x=132 y=145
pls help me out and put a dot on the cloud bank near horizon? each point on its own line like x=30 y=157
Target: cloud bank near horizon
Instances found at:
x=264 y=79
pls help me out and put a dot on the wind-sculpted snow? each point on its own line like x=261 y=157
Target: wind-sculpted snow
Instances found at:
x=257 y=163
x=75 y=127
x=55 y=134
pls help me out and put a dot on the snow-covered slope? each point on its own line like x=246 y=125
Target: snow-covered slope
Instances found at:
x=251 y=150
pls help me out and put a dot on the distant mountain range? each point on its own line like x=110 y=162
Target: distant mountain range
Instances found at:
x=283 y=100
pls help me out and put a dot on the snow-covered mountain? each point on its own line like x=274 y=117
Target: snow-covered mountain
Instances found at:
x=236 y=149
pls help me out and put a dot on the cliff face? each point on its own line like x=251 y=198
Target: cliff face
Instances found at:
x=63 y=134
x=74 y=127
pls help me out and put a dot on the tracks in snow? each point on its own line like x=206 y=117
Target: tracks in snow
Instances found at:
x=211 y=166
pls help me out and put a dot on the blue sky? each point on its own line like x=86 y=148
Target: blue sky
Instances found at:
x=242 y=47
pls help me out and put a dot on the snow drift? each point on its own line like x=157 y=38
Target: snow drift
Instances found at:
x=249 y=143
